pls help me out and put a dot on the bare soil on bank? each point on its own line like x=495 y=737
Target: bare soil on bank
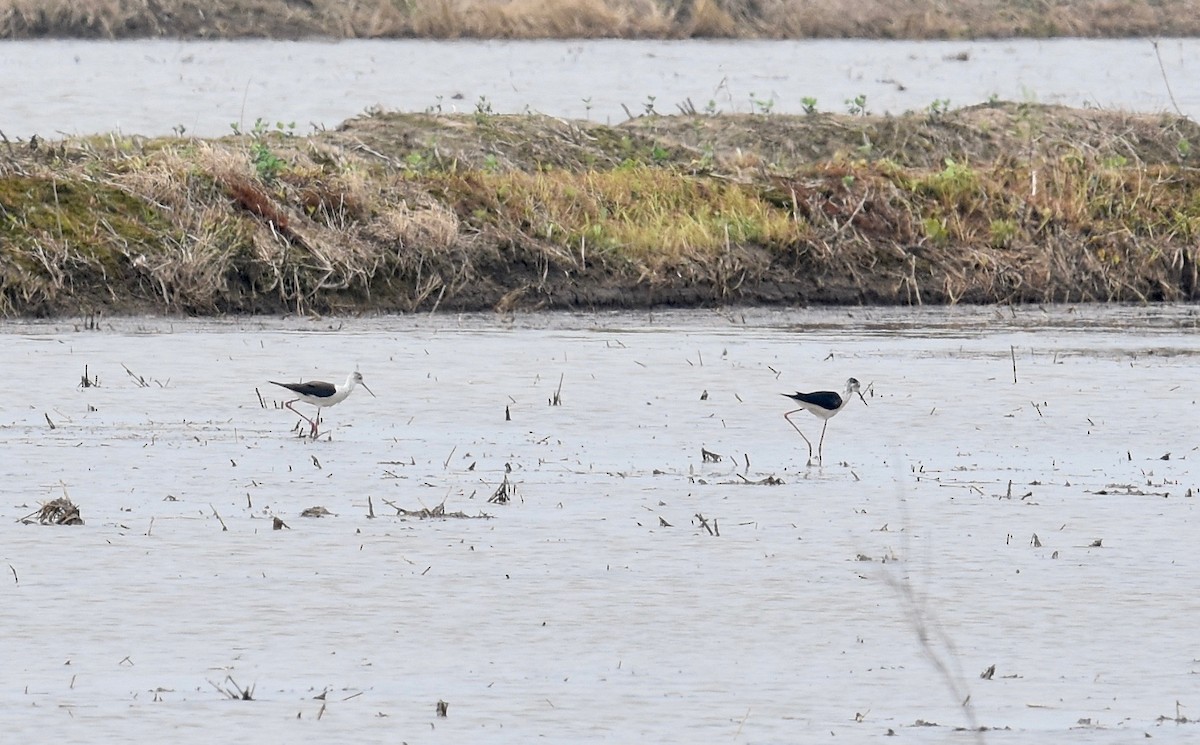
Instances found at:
x=540 y=19
x=998 y=203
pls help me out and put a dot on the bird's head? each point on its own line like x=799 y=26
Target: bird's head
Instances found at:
x=357 y=378
x=852 y=386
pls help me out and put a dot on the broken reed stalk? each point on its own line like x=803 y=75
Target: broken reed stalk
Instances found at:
x=504 y=493
x=1012 y=351
x=137 y=378
x=224 y=527
x=935 y=641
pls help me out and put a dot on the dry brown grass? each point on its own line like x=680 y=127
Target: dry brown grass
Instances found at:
x=537 y=19
x=1003 y=203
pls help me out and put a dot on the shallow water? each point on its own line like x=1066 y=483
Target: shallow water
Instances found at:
x=573 y=613
x=155 y=87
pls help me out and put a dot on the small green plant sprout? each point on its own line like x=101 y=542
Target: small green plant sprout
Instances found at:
x=810 y=105
x=857 y=105
x=939 y=107
x=956 y=184
x=711 y=107
x=267 y=164
x=483 y=110
x=1001 y=233
x=761 y=106
x=286 y=129
x=648 y=106
x=1184 y=147
x=1115 y=161
x=936 y=230
x=414 y=161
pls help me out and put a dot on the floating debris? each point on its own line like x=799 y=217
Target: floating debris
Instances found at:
x=61 y=511
x=439 y=511
x=317 y=511
x=765 y=481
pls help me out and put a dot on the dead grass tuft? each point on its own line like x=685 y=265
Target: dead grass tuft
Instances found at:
x=61 y=511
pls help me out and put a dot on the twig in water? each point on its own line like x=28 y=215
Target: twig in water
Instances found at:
x=504 y=493
x=556 y=400
x=16 y=579
x=1166 y=82
x=1012 y=351
x=137 y=378
x=370 y=509
x=224 y=527
x=238 y=693
x=48 y=421
x=708 y=456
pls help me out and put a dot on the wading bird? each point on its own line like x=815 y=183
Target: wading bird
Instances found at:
x=322 y=394
x=824 y=404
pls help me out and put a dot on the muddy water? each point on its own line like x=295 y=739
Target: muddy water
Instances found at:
x=153 y=87
x=595 y=605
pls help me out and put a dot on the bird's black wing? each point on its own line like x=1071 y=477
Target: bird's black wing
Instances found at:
x=824 y=399
x=315 y=388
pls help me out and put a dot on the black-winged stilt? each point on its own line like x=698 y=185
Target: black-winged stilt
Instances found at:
x=322 y=394
x=825 y=404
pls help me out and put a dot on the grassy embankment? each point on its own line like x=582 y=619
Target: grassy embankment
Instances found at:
x=999 y=203
x=529 y=19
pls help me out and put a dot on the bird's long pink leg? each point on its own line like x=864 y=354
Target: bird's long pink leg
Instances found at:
x=821 y=446
x=289 y=405
x=788 y=417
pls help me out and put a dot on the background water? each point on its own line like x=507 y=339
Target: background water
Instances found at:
x=153 y=87
x=1044 y=526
